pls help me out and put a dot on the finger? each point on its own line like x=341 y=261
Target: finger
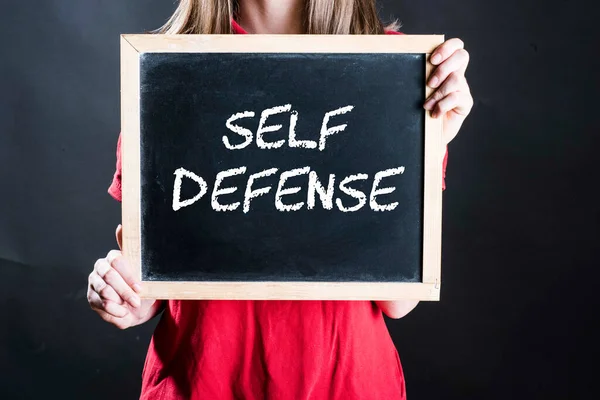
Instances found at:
x=458 y=102
x=94 y=300
x=454 y=82
x=113 y=278
x=106 y=306
x=100 y=286
x=114 y=309
x=457 y=62
x=118 y=262
x=445 y=50
x=119 y=235
x=121 y=323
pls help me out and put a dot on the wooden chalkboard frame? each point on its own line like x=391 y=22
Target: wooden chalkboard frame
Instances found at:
x=133 y=46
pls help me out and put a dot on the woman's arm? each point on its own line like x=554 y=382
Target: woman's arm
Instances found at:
x=450 y=100
x=397 y=309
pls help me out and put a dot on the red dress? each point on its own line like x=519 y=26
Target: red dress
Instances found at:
x=279 y=350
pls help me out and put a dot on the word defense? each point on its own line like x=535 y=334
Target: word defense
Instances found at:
x=355 y=198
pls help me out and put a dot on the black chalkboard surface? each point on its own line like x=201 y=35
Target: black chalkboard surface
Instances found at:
x=281 y=167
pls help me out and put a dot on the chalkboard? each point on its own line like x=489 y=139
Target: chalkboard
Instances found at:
x=261 y=170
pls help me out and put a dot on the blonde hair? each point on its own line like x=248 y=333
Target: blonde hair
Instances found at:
x=320 y=17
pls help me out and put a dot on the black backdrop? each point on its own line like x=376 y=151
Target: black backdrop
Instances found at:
x=521 y=222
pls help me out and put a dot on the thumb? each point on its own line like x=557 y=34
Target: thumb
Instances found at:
x=119 y=235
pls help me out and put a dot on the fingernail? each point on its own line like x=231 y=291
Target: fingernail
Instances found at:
x=428 y=104
x=433 y=82
x=137 y=287
x=436 y=58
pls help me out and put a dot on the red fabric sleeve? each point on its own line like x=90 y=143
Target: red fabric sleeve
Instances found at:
x=115 y=187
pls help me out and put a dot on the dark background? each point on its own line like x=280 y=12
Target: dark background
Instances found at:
x=521 y=221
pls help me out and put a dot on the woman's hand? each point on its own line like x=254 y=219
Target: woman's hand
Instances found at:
x=113 y=291
x=451 y=98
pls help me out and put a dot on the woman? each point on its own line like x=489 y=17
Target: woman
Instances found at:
x=273 y=349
